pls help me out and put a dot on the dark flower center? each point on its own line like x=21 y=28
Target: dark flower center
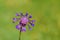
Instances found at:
x=22 y=24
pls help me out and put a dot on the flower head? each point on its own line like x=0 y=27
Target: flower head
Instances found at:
x=23 y=21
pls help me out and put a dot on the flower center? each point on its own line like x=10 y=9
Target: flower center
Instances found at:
x=24 y=20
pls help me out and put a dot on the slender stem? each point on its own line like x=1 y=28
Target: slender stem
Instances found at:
x=20 y=34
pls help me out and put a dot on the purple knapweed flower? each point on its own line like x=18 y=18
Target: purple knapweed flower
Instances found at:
x=23 y=21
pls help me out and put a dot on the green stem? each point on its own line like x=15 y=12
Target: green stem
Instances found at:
x=20 y=34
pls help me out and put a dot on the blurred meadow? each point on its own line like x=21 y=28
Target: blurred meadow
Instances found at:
x=45 y=12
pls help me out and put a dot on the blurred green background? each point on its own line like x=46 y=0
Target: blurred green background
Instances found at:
x=45 y=12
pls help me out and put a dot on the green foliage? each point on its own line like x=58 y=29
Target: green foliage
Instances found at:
x=45 y=12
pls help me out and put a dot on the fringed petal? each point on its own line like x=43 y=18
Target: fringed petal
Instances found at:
x=30 y=16
x=29 y=27
x=26 y=14
x=18 y=27
x=23 y=29
x=17 y=14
